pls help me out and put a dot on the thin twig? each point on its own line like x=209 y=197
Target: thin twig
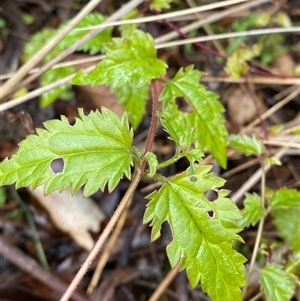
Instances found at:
x=165 y=283
x=281 y=143
x=272 y=110
x=174 y=14
x=261 y=80
x=259 y=229
x=229 y=35
x=138 y=175
x=107 y=251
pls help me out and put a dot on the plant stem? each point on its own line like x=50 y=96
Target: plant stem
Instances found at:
x=153 y=125
x=138 y=175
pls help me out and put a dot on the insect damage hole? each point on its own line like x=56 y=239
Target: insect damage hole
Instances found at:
x=57 y=166
x=212 y=195
x=210 y=213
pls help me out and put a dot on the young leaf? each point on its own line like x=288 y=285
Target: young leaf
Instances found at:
x=236 y=64
x=284 y=198
x=94 y=151
x=132 y=61
x=252 y=211
x=160 y=4
x=245 y=144
x=175 y=124
x=63 y=92
x=287 y=222
x=95 y=44
x=203 y=232
x=152 y=162
x=42 y=37
x=277 y=284
x=134 y=101
x=206 y=119
x=128 y=29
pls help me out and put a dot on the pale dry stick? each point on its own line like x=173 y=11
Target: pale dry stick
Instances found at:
x=240 y=168
x=271 y=111
x=229 y=35
x=291 y=129
x=282 y=94
x=257 y=175
x=87 y=59
x=257 y=296
x=14 y=102
x=281 y=143
x=11 y=83
x=118 y=14
x=138 y=175
x=260 y=226
x=261 y=80
x=166 y=15
x=215 y=17
x=208 y=30
x=165 y=283
x=107 y=251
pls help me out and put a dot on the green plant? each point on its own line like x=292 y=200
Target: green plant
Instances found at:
x=92 y=46
x=97 y=151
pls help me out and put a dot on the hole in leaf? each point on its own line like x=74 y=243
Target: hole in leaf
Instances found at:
x=212 y=195
x=183 y=105
x=57 y=165
x=210 y=213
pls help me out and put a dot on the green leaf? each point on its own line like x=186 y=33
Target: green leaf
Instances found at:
x=160 y=4
x=153 y=163
x=203 y=232
x=128 y=29
x=283 y=20
x=63 y=92
x=95 y=44
x=92 y=46
x=253 y=211
x=134 y=101
x=272 y=161
x=94 y=151
x=284 y=198
x=287 y=222
x=37 y=41
x=176 y=124
x=205 y=121
x=247 y=145
x=236 y=64
x=130 y=61
x=277 y=284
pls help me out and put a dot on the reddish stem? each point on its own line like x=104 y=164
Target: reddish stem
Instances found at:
x=153 y=125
